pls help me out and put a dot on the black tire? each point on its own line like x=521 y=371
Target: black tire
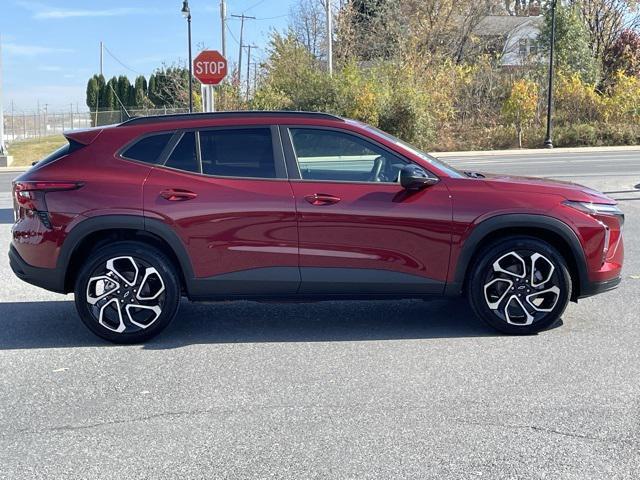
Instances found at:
x=142 y=318
x=536 y=306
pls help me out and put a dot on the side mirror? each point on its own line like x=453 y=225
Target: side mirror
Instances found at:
x=413 y=177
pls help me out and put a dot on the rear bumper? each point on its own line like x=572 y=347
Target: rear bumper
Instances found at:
x=47 y=278
x=594 y=288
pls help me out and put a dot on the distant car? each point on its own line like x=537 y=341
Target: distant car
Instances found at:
x=289 y=206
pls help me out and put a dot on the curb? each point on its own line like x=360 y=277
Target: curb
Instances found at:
x=538 y=151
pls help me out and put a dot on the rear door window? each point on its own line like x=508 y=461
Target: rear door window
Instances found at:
x=148 y=149
x=238 y=152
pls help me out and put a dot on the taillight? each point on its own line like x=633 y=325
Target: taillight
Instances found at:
x=45 y=186
x=30 y=197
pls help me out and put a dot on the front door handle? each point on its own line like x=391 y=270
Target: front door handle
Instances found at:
x=321 y=199
x=177 y=195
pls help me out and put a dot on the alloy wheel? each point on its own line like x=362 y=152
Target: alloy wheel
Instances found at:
x=125 y=294
x=522 y=287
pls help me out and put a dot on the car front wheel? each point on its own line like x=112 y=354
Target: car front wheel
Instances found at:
x=127 y=292
x=521 y=285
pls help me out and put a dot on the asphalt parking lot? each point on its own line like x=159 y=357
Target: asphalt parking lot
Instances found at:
x=387 y=389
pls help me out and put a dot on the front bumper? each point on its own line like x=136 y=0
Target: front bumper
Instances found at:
x=48 y=278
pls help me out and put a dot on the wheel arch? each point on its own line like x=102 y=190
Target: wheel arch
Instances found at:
x=96 y=232
x=555 y=232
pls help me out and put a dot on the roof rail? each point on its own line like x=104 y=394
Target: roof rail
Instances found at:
x=230 y=114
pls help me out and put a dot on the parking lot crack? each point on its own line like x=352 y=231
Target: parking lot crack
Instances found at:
x=538 y=429
x=71 y=428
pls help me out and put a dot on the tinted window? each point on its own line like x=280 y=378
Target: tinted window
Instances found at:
x=239 y=152
x=333 y=155
x=184 y=155
x=53 y=156
x=148 y=149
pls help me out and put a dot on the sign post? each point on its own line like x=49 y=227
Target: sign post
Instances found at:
x=210 y=68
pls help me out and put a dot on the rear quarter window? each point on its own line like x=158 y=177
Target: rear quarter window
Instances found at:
x=57 y=154
x=148 y=149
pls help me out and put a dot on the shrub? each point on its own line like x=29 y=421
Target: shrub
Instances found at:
x=596 y=134
x=519 y=109
x=623 y=104
x=577 y=100
x=357 y=96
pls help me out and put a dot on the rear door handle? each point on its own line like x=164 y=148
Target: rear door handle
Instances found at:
x=177 y=195
x=322 y=199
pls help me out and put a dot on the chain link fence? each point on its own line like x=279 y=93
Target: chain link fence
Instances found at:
x=24 y=126
x=110 y=117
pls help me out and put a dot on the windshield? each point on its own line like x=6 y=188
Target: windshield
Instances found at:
x=445 y=167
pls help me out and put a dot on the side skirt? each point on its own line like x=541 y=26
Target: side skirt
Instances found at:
x=313 y=284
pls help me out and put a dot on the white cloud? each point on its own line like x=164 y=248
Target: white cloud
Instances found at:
x=19 y=49
x=42 y=11
x=50 y=68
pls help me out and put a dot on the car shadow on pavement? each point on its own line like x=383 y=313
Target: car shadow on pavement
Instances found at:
x=56 y=325
x=6 y=216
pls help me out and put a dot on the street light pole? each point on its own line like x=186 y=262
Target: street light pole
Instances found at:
x=548 y=142
x=2 y=145
x=186 y=12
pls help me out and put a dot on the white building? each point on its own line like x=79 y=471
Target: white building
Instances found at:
x=516 y=38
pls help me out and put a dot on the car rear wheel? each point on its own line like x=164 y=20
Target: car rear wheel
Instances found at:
x=127 y=292
x=521 y=285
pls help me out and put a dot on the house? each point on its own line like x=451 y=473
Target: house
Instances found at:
x=514 y=38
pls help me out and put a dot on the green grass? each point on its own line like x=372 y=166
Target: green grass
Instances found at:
x=25 y=152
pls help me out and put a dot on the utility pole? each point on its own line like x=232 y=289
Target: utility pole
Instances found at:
x=242 y=18
x=223 y=24
x=101 y=57
x=329 y=37
x=249 y=47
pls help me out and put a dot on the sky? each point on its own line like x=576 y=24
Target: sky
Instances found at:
x=50 y=48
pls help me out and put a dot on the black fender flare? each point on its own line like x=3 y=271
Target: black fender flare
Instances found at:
x=129 y=222
x=517 y=220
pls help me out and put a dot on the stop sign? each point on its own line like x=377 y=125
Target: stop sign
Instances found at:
x=210 y=67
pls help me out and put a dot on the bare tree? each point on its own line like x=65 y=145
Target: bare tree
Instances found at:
x=606 y=20
x=308 y=19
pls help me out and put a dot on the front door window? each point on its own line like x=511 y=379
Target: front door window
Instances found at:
x=329 y=155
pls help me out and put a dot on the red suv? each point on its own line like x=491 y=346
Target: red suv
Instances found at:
x=297 y=206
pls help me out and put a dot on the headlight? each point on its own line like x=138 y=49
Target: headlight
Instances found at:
x=610 y=217
x=597 y=209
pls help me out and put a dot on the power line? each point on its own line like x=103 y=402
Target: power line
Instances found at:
x=254 y=5
x=271 y=18
x=232 y=35
x=120 y=62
